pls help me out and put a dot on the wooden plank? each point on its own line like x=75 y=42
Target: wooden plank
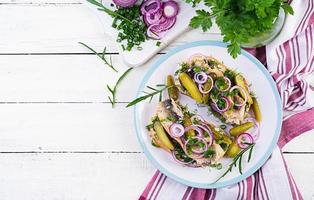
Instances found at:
x=67 y=127
x=88 y=127
x=73 y=176
x=99 y=176
x=50 y=27
x=64 y=78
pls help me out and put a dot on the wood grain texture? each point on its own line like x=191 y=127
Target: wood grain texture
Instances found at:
x=60 y=138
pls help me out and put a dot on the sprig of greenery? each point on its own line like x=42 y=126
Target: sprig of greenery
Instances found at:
x=193 y=2
x=155 y=91
x=113 y=90
x=238 y=159
x=107 y=10
x=102 y=56
x=238 y=20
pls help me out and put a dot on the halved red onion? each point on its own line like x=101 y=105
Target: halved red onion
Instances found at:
x=221 y=110
x=228 y=82
x=125 y=3
x=244 y=138
x=176 y=130
x=200 y=77
x=151 y=7
x=256 y=129
x=178 y=160
x=243 y=91
x=170 y=9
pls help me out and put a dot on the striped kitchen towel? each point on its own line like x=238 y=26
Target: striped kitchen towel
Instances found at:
x=289 y=58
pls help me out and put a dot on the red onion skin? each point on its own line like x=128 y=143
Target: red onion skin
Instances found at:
x=199 y=81
x=217 y=109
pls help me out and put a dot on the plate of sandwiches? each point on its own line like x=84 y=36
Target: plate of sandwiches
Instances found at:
x=205 y=119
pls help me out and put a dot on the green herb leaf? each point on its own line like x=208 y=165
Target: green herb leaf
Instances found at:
x=113 y=91
x=287 y=8
x=238 y=159
x=101 y=56
x=202 y=19
x=156 y=91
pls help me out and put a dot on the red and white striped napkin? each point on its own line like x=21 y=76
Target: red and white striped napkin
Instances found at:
x=289 y=58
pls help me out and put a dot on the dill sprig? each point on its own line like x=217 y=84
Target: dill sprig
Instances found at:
x=154 y=91
x=102 y=56
x=238 y=159
x=113 y=90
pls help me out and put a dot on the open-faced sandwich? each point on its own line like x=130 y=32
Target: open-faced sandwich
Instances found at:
x=209 y=82
x=187 y=136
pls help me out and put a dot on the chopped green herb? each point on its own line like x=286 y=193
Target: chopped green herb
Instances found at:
x=197 y=69
x=209 y=152
x=158 y=43
x=223 y=126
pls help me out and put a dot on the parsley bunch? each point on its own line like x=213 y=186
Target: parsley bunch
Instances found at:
x=238 y=20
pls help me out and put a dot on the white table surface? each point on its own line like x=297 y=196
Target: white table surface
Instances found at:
x=59 y=136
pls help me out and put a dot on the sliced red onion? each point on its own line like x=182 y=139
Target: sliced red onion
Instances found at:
x=201 y=87
x=153 y=35
x=156 y=18
x=150 y=7
x=200 y=77
x=244 y=138
x=125 y=3
x=176 y=130
x=219 y=110
x=178 y=160
x=228 y=82
x=170 y=9
x=196 y=153
x=204 y=127
x=256 y=129
x=243 y=91
x=198 y=118
x=163 y=26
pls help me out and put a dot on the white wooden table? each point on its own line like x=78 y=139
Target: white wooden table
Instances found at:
x=59 y=136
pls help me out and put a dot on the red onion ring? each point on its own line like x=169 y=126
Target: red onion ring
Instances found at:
x=210 y=133
x=170 y=9
x=256 y=128
x=197 y=153
x=243 y=91
x=150 y=7
x=163 y=26
x=244 y=138
x=217 y=109
x=200 y=77
x=227 y=80
x=176 y=130
x=156 y=18
x=201 y=87
x=153 y=35
x=179 y=161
